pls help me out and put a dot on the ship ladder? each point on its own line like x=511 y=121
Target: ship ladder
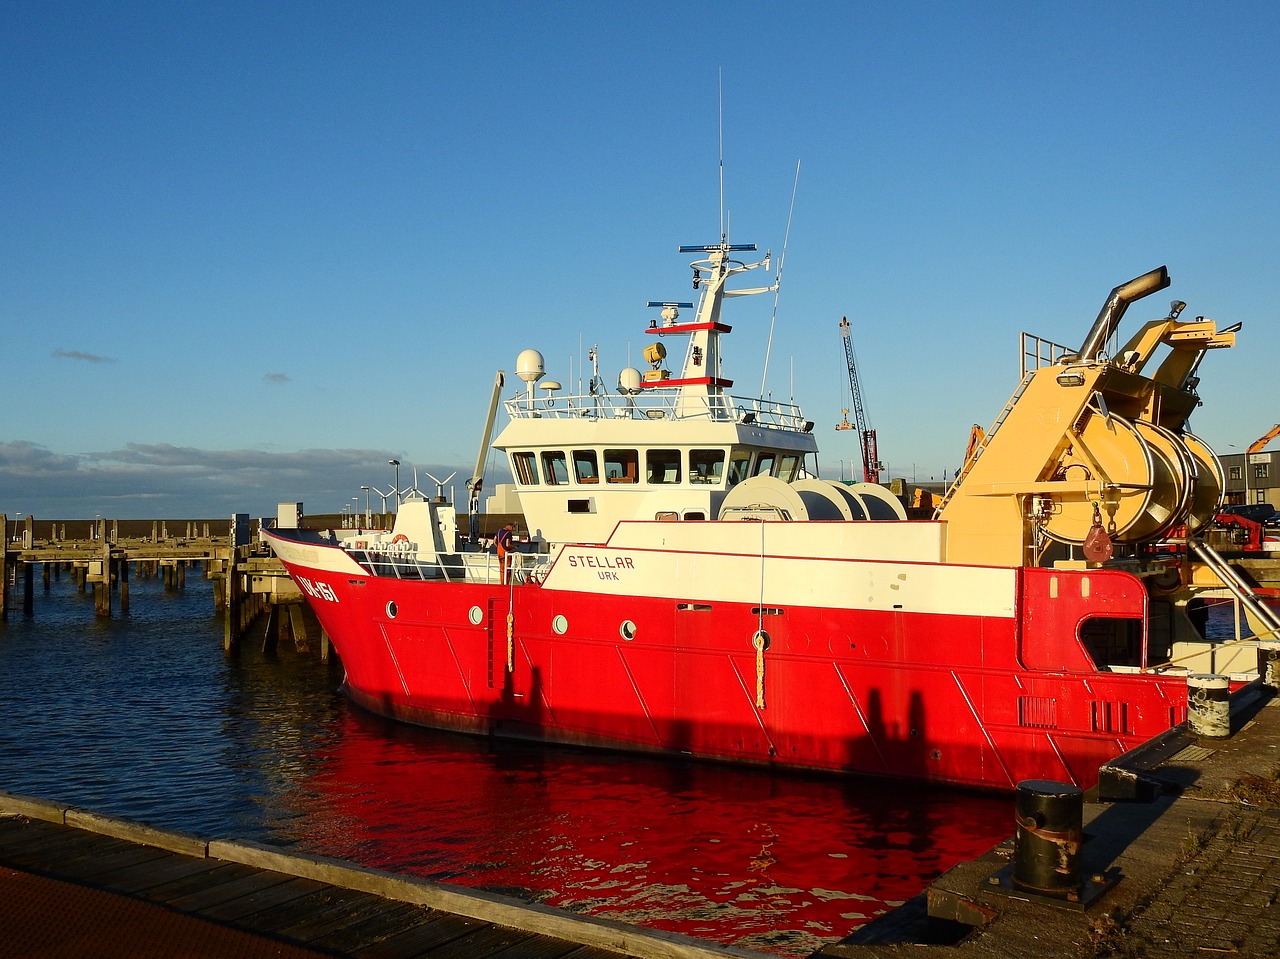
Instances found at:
x=977 y=453
x=1238 y=586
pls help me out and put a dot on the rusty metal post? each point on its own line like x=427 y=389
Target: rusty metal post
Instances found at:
x=1050 y=829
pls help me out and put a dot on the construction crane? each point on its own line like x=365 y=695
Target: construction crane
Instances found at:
x=871 y=464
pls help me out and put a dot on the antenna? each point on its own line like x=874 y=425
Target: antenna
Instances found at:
x=777 y=284
x=721 y=132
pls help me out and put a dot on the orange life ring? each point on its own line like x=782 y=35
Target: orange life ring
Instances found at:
x=399 y=538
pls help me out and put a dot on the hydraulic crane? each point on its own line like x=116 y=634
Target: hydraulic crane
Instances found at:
x=1257 y=445
x=871 y=464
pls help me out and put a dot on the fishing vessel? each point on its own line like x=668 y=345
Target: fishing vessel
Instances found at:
x=688 y=585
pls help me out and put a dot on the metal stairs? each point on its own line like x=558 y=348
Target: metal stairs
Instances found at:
x=977 y=453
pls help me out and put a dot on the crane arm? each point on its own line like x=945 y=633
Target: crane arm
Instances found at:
x=476 y=482
x=1263 y=441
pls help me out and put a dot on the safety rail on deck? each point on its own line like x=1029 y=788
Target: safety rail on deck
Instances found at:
x=654 y=405
x=1038 y=352
x=480 y=568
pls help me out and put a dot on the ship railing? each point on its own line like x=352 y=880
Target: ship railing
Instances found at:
x=459 y=567
x=662 y=404
x=1038 y=352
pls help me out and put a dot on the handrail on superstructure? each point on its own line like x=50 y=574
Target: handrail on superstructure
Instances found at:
x=655 y=404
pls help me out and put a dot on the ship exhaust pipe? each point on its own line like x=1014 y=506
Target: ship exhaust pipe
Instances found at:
x=1114 y=308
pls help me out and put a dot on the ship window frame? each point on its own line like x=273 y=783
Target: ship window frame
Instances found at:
x=788 y=466
x=524 y=466
x=622 y=465
x=706 y=467
x=586 y=466
x=1113 y=641
x=739 y=465
x=662 y=467
x=555 y=468
x=763 y=462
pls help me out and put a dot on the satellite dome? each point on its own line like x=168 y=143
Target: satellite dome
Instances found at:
x=529 y=366
x=629 y=380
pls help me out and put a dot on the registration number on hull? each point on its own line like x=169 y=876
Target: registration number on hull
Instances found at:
x=318 y=590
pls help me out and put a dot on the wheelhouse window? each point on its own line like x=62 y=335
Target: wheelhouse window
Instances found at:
x=706 y=466
x=662 y=466
x=584 y=466
x=522 y=465
x=739 y=464
x=788 y=467
x=555 y=469
x=764 y=464
x=621 y=466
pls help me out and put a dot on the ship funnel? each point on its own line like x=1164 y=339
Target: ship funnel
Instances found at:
x=1116 y=304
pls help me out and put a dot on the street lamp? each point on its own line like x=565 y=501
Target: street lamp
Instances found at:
x=368 y=520
x=396 y=489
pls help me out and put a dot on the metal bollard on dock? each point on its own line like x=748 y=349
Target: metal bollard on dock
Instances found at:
x=1269 y=662
x=1209 y=705
x=1050 y=829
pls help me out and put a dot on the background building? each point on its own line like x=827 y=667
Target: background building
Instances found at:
x=1254 y=481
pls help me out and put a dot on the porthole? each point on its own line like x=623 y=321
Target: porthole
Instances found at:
x=475 y=614
x=560 y=625
x=391 y=609
x=627 y=630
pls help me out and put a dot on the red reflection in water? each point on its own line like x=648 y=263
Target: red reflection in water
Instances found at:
x=731 y=855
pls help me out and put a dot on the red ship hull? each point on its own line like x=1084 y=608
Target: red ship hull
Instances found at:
x=964 y=698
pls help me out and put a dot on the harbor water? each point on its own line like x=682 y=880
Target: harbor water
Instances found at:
x=143 y=717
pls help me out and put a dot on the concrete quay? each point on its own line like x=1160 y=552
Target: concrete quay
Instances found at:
x=1194 y=870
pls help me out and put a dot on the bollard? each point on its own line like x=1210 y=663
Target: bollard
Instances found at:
x=1209 y=705
x=1050 y=828
x=1269 y=662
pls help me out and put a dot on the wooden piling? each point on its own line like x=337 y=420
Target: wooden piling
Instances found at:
x=298 y=628
x=271 y=636
x=231 y=603
x=4 y=565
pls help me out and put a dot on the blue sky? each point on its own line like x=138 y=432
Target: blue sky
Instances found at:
x=251 y=251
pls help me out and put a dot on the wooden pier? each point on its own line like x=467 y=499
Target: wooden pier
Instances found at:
x=308 y=905
x=247 y=580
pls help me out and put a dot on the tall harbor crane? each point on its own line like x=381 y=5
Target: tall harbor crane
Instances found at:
x=871 y=464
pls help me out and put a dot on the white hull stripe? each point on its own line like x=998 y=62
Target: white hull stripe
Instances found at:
x=787 y=581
